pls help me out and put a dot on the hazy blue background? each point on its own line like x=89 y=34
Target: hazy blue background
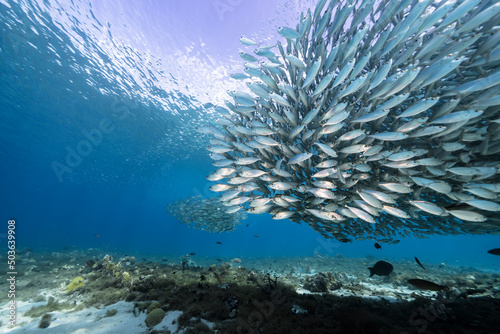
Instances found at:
x=144 y=68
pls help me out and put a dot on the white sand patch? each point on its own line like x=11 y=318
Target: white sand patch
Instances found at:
x=90 y=320
x=377 y=291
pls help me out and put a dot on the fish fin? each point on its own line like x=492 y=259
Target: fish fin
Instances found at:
x=371 y=272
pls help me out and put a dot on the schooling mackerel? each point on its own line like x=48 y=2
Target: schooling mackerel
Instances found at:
x=393 y=105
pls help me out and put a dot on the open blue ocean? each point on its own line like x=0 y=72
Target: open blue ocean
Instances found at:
x=101 y=106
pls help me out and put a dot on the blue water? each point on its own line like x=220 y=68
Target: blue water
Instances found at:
x=98 y=105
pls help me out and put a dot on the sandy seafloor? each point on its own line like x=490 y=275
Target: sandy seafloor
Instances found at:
x=257 y=295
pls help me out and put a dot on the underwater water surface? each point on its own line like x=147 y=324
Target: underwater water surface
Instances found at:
x=99 y=105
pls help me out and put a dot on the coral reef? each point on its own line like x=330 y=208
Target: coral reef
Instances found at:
x=45 y=321
x=274 y=297
x=153 y=306
x=155 y=317
x=322 y=282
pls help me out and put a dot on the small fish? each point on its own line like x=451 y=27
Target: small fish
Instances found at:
x=218 y=243
x=288 y=32
x=239 y=76
x=468 y=215
x=256 y=235
x=299 y=158
x=381 y=268
x=219 y=260
x=377 y=246
x=418 y=261
x=426 y=285
x=494 y=251
x=247 y=41
x=96 y=235
x=191 y=254
x=312 y=73
x=248 y=57
x=389 y=136
x=395 y=212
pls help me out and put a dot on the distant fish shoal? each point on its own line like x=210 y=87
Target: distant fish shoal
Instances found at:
x=398 y=119
x=208 y=214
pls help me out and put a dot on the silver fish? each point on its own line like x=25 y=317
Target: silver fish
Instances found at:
x=401 y=97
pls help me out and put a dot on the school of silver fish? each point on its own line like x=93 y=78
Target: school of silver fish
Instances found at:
x=375 y=119
x=206 y=214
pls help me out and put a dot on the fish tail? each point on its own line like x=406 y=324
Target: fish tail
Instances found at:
x=371 y=272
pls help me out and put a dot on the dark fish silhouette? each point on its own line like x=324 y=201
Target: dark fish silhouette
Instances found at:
x=96 y=235
x=494 y=251
x=426 y=285
x=218 y=243
x=192 y=253
x=377 y=245
x=219 y=260
x=256 y=235
x=381 y=268
x=420 y=264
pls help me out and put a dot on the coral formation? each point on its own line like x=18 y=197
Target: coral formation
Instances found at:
x=155 y=317
x=273 y=292
x=322 y=282
x=45 y=321
x=153 y=306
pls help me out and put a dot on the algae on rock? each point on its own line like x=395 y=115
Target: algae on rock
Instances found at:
x=155 y=317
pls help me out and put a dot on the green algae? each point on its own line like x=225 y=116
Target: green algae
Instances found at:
x=155 y=317
x=153 y=306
